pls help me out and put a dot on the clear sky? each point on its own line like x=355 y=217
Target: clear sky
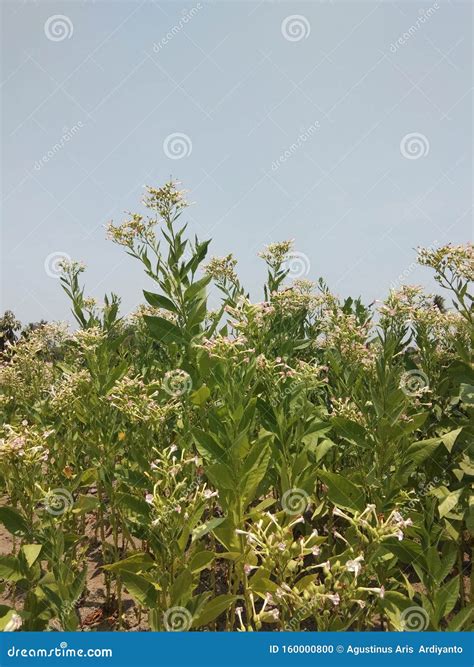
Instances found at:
x=344 y=125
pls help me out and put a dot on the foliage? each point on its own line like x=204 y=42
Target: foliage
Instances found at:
x=298 y=463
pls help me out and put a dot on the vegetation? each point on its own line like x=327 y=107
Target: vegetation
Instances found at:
x=297 y=463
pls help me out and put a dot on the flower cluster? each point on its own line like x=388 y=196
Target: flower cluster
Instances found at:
x=165 y=200
x=24 y=443
x=132 y=231
x=458 y=260
x=375 y=527
x=276 y=253
x=222 y=269
x=138 y=401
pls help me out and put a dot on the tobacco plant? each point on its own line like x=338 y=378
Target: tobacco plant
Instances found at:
x=303 y=462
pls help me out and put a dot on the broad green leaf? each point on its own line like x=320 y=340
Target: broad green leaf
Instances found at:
x=201 y=561
x=163 y=330
x=13 y=521
x=159 y=301
x=10 y=568
x=31 y=552
x=85 y=504
x=459 y=621
x=6 y=614
x=181 y=588
x=213 y=609
x=446 y=597
x=467 y=394
x=207 y=445
x=419 y=452
x=204 y=528
x=136 y=505
x=197 y=287
x=136 y=563
x=449 y=502
x=450 y=438
x=406 y=550
x=200 y=396
x=343 y=492
x=139 y=588
x=221 y=477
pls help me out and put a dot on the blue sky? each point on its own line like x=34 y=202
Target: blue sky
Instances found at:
x=344 y=125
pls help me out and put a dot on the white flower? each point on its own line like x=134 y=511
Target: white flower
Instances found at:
x=210 y=494
x=335 y=599
x=316 y=550
x=355 y=565
x=149 y=498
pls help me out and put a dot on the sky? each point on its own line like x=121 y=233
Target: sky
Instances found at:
x=346 y=126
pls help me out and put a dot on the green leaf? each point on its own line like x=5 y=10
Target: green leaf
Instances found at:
x=213 y=609
x=446 y=597
x=140 y=588
x=159 y=301
x=31 y=552
x=135 y=505
x=207 y=445
x=406 y=550
x=200 y=396
x=13 y=521
x=420 y=451
x=254 y=470
x=459 y=621
x=467 y=394
x=85 y=504
x=449 y=502
x=136 y=563
x=343 y=492
x=194 y=289
x=205 y=528
x=221 y=477
x=450 y=438
x=6 y=614
x=10 y=568
x=181 y=588
x=201 y=561
x=163 y=330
